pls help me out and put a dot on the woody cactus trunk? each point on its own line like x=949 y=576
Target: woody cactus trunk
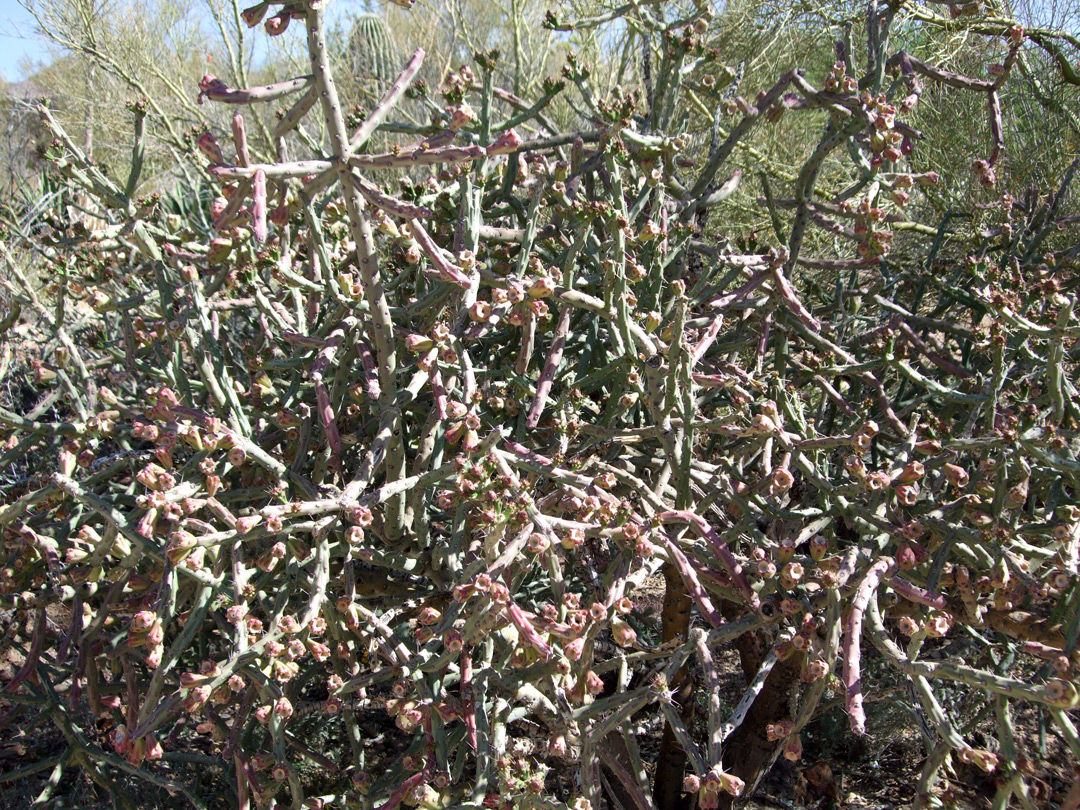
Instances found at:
x=358 y=491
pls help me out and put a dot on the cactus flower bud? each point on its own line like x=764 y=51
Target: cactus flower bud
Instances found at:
x=181 y=545
x=506 y=143
x=208 y=145
x=624 y=634
x=253 y=15
x=283 y=708
x=121 y=741
x=779 y=730
x=815 y=670
x=956 y=475
x=429 y=616
x=877 y=481
x=154 y=750
x=593 y=684
x=1062 y=694
x=480 y=312
x=781 y=481
x=793 y=749
x=196 y=698
x=460 y=116
x=247 y=523
x=938 y=626
x=275 y=26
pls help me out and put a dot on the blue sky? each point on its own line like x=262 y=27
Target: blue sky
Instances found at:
x=17 y=41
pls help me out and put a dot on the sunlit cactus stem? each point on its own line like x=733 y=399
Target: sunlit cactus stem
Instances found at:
x=852 y=641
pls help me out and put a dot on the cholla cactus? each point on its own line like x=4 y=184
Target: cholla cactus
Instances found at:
x=397 y=437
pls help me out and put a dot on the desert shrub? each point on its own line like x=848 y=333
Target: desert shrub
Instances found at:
x=349 y=473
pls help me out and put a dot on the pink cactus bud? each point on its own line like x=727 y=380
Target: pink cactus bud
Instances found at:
x=283 y=708
x=253 y=15
x=361 y=516
x=461 y=593
x=624 y=634
x=779 y=730
x=211 y=83
x=453 y=641
x=782 y=480
x=429 y=616
x=154 y=750
x=288 y=624
x=500 y=594
x=1062 y=694
x=196 y=698
x=460 y=116
x=792 y=572
x=247 y=523
x=907 y=625
x=814 y=670
x=593 y=684
x=508 y=142
x=956 y=475
x=793 y=749
x=121 y=741
x=938 y=626
x=877 y=481
x=729 y=783
x=419 y=343
x=208 y=145
x=480 y=312
x=190 y=679
x=907 y=494
x=275 y=26
x=274 y=648
x=537 y=543
x=574 y=538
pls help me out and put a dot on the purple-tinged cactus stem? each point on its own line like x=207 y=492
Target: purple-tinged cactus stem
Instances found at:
x=853 y=638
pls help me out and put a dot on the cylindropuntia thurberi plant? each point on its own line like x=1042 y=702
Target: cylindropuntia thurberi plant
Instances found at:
x=407 y=451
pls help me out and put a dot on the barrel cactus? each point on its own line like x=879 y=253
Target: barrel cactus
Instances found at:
x=371 y=51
